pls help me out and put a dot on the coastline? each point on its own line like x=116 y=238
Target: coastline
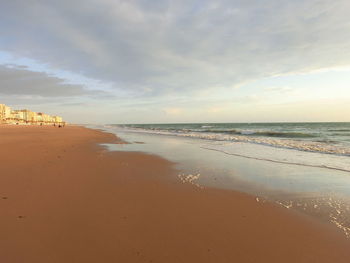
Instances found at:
x=66 y=199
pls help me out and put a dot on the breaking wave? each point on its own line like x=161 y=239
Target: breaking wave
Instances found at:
x=274 y=139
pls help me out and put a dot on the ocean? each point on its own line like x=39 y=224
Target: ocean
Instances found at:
x=332 y=138
x=302 y=166
x=330 y=142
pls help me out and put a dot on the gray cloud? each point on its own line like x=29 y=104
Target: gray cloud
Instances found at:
x=183 y=46
x=28 y=85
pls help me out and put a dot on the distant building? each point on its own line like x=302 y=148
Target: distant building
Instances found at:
x=28 y=116
x=17 y=116
x=57 y=119
x=5 y=113
x=40 y=118
x=8 y=116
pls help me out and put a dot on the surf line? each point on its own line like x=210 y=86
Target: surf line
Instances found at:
x=275 y=161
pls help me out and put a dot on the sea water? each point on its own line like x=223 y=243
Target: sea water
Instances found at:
x=302 y=166
x=332 y=139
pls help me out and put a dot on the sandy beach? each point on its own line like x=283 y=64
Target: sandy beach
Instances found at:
x=64 y=198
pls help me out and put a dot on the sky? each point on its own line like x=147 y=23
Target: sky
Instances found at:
x=162 y=61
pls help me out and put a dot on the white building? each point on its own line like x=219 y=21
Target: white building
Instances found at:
x=5 y=113
x=9 y=116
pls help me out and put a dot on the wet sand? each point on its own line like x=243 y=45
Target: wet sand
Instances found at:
x=65 y=199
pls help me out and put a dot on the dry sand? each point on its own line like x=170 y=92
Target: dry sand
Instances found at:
x=64 y=199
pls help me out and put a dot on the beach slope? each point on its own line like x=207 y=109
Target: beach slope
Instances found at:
x=65 y=199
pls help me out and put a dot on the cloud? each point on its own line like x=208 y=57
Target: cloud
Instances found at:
x=278 y=89
x=173 y=111
x=216 y=109
x=153 y=48
x=28 y=85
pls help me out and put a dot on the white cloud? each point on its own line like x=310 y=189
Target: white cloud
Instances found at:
x=179 y=46
x=164 y=53
x=278 y=89
x=173 y=111
x=28 y=84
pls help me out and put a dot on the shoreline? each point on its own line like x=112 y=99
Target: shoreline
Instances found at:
x=68 y=199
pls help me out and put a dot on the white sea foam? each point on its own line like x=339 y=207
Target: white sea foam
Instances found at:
x=296 y=152
x=190 y=178
x=282 y=155
x=310 y=146
x=333 y=209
